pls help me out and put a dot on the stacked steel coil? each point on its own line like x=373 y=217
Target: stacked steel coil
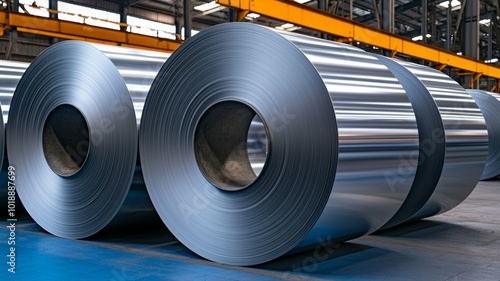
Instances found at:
x=489 y=103
x=347 y=135
x=251 y=148
x=453 y=141
x=72 y=136
x=10 y=73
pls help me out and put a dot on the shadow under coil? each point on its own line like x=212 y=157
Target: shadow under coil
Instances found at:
x=337 y=123
x=489 y=103
x=73 y=136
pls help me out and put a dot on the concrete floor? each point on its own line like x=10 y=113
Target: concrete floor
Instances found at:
x=463 y=244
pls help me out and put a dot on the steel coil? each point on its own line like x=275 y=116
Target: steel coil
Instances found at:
x=337 y=123
x=489 y=103
x=10 y=74
x=431 y=139
x=72 y=136
x=452 y=141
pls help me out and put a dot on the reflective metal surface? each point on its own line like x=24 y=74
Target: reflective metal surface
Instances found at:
x=431 y=143
x=10 y=74
x=257 y=145
x=138 y=68
x=103 y=146
x=378 y=138
x=338 y=126
x=489 y=103
x=466 y=140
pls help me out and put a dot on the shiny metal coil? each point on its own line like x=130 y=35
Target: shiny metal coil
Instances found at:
x=10 y=74
x=452 y=141
x=465 y=138
x=489 y=103
x=431 y=143
x=72 y=136
x=338 y=125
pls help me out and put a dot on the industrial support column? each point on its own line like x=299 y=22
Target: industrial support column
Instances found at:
x=470 y=34
x=187 y=19
x=123 y=16
x=448 y=27
x=177 y=21
x=388 y=15
x=53 y=6
x=423 y=29
x=232 y=15
x=490 y=45
x=432 y=18
x=449 y=42
x=322 y=5
x=15 y=6
x=11 y=48
x=351 y=6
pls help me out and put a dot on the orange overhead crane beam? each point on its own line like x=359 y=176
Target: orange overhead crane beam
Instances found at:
x=302 y=15
x=84 y=32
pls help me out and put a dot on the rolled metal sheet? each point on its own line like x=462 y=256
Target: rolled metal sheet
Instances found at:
x=337 y=122
x=10 y=74
x=138 y=69
x=465 y=137
x=489 y=103
x=257 y=145
x=73 y=136
x=431 y=138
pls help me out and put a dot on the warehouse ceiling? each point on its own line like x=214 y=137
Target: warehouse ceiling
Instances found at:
x=407 y=19
x=407 y=22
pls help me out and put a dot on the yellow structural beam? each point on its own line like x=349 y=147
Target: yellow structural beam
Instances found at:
x=84 y=32
x=311 y=18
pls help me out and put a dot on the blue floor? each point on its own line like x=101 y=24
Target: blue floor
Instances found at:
x=463 y=244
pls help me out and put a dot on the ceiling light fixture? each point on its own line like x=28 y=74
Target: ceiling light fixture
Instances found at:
x=252 y=16
x=419 y=37
x=485 y=22
x=207 y=6
x=288 y=27
x=454 y=3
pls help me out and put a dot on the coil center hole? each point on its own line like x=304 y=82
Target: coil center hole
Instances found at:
x=65 y=140
x=231 y=145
